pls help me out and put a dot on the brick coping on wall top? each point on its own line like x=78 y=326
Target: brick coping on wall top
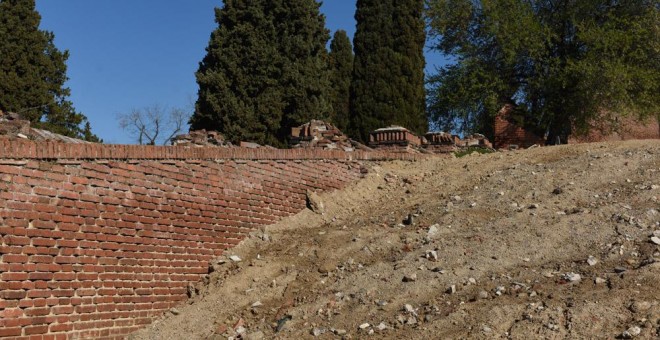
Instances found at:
x=48 y=150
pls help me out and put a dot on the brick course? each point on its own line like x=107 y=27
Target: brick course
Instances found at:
x=98 y=240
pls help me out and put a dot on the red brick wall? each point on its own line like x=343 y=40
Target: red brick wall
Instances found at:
x=98 y=240
x=630 y=129
x=508 y=133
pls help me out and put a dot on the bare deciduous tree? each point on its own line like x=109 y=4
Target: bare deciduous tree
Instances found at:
x=154 y=125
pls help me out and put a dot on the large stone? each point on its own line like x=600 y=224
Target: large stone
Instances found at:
x=314 y=202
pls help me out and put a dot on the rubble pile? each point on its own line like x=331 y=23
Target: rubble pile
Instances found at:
x=473 y=140
x=319 y=134
x=12 y=125
x=201 y=138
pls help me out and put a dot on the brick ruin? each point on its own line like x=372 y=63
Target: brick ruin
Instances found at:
x=400 y=139
x=323 y=135
x=510 y=135
x=629 y=128
x=97 y=241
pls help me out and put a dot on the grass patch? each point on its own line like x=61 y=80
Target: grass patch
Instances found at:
x=472 y=149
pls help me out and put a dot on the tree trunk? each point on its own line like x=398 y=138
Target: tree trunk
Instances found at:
x=560 y=130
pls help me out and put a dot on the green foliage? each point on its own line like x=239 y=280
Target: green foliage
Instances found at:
x=565 y=63
x=472 y=149
x=388 y=77
x=265 y=70
x=33 y=73
x=340 y=62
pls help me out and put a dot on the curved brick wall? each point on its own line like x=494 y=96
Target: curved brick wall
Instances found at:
x=97 y=240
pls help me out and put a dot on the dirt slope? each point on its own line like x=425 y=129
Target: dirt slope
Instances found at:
x=511 y=232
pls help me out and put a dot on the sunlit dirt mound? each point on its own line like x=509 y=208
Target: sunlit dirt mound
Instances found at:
x=548 y=243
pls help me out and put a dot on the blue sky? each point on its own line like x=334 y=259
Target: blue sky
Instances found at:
x=127 y=54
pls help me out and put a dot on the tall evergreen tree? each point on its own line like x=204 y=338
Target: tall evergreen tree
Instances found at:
x=341 y=68
x=33 y=73
x=565 y=64
x=265 y=70
x=388 y=77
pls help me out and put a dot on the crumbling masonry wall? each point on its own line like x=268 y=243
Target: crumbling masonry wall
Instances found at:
x=98 y=240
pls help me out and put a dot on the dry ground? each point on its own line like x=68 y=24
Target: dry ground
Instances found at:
x=510 y=231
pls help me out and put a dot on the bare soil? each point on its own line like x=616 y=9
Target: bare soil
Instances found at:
x=511 y=230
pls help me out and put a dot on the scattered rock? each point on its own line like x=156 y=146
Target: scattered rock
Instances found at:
x=438 y=270
x=364 y=326
x=433 y=230
x=572 y=277
x=339 y=331
x=500 y=290
x=640 y=306
x=483 y=295
x=432 y=255
x=655 y=240
x=552 y=326
x=631 y=332
x=600 y=281
x=235 y=258
x=175 y=311
x=411 y=320
x=592 y=261
x=318 y=331
x=382 y=326
x=409 y=309
x=451 y=289
x=409 y=220
x=410 y=278
x=620 y=270
x=558 y=191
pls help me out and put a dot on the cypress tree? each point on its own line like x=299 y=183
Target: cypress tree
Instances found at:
x=33 y=73
x=341 y=68
x=265 y=70
x=388 y=76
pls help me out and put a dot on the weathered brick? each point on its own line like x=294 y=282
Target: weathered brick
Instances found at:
x=122 y=225
x=13 y=331
x=13 y=294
